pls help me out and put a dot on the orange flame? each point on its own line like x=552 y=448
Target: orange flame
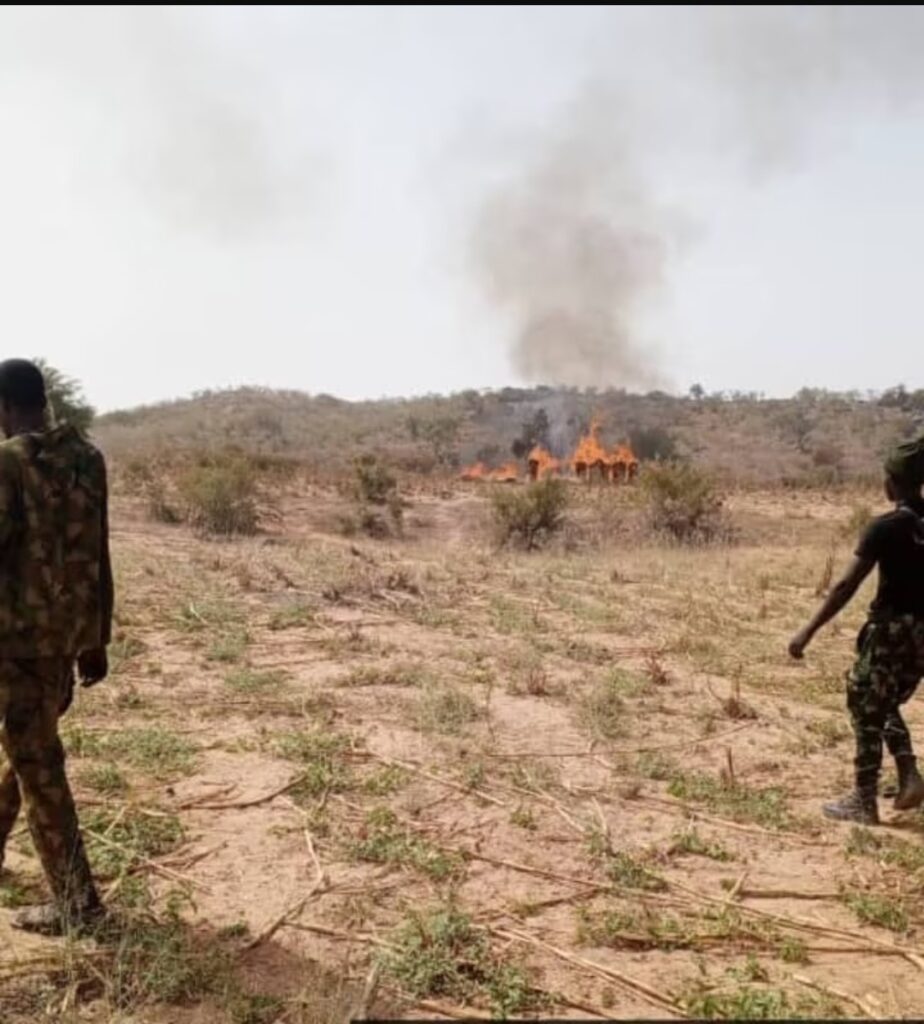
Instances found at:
x=478 y=471
x=508 y=474
x=590 y=453
x=541 y=463
x=624 y=463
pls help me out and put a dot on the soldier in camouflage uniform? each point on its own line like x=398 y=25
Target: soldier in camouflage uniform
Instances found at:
x=890 y=647
x=56 y=600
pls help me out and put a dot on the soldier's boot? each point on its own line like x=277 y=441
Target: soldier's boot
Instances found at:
x=910 y=784
x=859 y=806
x=54 y=919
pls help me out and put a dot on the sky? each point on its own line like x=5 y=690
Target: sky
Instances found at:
x=387 y=201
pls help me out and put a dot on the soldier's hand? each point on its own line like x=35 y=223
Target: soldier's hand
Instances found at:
x=798 y=644
x=92 y=666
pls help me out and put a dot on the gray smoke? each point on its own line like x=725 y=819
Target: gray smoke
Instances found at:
x=576 y=242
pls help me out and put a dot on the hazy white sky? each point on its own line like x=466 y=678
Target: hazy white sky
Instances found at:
x=203 y=197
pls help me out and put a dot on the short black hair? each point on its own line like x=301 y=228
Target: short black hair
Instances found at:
x=22 y=385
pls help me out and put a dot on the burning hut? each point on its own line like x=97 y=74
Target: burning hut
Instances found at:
x=590 y=459
x=624 y=464
x=541 y=463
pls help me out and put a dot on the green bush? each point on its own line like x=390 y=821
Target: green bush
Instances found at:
x=376 y=493
x=683 y=503
x=221 y=498
x=529 y=517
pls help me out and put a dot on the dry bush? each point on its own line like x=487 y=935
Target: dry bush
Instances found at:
x=379 y=506
x=528 y=517
x=683 y=503
x=221 y=498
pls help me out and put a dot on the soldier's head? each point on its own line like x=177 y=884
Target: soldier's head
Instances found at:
x=905 y=471
x=22 y=396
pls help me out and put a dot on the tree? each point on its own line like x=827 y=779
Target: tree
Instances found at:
x=653 y=443
x=66 y=398
x=441 y=433
x=534 y=431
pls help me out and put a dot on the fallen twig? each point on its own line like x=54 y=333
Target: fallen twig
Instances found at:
x=152 y=864
x=240 y=804
x=650 y=995
x=837 y=994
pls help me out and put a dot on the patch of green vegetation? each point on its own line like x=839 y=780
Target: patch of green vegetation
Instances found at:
x=115 y=839
x=691 y=842
x=446 y=709
x=523 y=817
x=745 y=1003
x=830 y=732
x=534 y=776
x=320 y=756
x=622 y=868
x=105 y=779
x=385 y=781
x=886 y=849
x=17 y=892
x=249 y=680
x=399 y=674
x=292 y=616
x=385 y=842
x=159 y=753
x=735 y=800
x=123 y=649
x=228 y=648
x=603 y=711
x=793 y=951
x=656 y=766
x=884 y=911
x=442 y=954
x=626 y=929
x=514 y=618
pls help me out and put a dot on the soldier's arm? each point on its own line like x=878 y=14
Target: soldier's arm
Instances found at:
x=107 y=588
x=840 y=595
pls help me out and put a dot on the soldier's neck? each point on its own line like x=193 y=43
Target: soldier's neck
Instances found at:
x=27 y=423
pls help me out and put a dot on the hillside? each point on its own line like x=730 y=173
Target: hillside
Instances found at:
x=813 y=437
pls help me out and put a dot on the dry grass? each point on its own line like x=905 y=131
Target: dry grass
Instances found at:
x=611 y=733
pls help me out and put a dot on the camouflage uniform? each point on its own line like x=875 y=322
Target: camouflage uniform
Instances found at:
x=889 y=666
x=55 y=602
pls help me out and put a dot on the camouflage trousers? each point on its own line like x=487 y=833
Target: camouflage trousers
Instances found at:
x=889 y=666
x=33 y=694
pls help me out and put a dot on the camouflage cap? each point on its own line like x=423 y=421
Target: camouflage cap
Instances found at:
x=906 y=462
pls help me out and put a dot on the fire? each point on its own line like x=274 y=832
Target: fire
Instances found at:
x=478 y=471
x=624 y=463
x=590 y=455
x=541 y=463
x=508 y=474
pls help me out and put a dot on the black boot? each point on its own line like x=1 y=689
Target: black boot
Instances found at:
x=910 y=784
x=859 y=806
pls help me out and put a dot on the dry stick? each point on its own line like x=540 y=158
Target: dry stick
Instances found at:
x=270 y=930
x=837 y=993
x=368 y=993
x=240 y=804
x=639 y=988
x=786 y=894
x=319 y=885
x=417 y=769
x=152 y=864
x=678 y=745
x=692 y=812
x=914 y=956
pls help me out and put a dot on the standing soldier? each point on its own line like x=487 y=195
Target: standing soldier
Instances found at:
x=890 y=647
x=56 y=599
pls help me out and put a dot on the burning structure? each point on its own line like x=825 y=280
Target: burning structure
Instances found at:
x=590 y=461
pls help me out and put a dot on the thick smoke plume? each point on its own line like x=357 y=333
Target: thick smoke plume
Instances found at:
x=576 y=240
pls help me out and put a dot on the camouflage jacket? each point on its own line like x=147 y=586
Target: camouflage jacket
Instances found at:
x=56 y=590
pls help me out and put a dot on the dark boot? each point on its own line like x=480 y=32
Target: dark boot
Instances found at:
x=54 y=920
x=859 y=806
x=910 y=785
